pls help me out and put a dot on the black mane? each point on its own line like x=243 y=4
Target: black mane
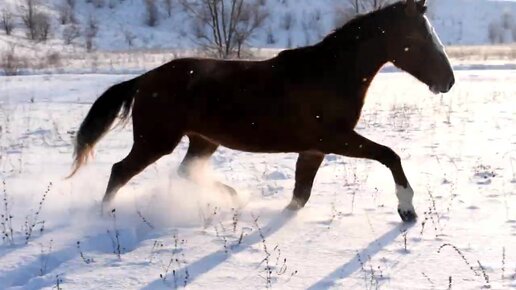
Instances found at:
x=339 y=49
x=355 y=31
x=365 y=26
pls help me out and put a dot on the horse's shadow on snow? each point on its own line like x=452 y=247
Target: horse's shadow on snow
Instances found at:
x=354 y=264
x=39 y=272
x=211 y=261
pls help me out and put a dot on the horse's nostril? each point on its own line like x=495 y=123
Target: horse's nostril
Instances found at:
x=452 y=82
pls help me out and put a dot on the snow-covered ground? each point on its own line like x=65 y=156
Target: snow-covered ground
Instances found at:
x=458 y=150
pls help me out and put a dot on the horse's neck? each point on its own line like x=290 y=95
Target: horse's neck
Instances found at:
x=355 y=53
x=370 y=57
x=362 y=48
x=361 y=51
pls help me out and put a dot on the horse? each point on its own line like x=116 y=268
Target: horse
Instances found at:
x=306 y=100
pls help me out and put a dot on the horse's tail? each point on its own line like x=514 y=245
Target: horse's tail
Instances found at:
x=100 y=118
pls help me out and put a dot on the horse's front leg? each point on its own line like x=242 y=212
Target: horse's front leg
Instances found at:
x=354 y=145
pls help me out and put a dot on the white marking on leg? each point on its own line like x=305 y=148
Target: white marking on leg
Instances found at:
x=405 y=195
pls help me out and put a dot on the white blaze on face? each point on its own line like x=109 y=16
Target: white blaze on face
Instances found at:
x=437 y=42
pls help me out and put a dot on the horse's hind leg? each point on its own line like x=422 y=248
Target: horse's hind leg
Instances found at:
x=199 y=150
x=141 y=155
x=306 y=168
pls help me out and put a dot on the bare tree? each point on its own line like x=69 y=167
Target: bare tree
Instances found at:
x=224 y=26
x=7 y=21
x=28 y=11
x=151 y=13
x=356 y=6
x=36 y=22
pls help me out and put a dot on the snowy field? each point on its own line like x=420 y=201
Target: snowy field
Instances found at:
x=458 y=149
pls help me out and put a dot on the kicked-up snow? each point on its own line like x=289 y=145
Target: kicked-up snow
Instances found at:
x=458 y=150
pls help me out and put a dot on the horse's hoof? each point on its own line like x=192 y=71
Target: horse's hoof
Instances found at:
x=106 y=209
x=407 y=216
x=294 y=205
x=224 y=187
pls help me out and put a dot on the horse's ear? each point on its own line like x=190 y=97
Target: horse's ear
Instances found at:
x=421 y=6
x=411 y=8
x=421 y=3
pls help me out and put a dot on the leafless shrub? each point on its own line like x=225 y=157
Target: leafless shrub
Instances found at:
x=114 y=235
x=274 y=263
x=342 y=15
x=70 y=33
x=356 y=5
x=129 y=37
x=373 y=5
x=59 y=281
x=287 y=21
x=42 y=26
x=495 y=32
x=507 y=20
x=168 y=7
x=44 y=257
x=54 y=59
x=151 y=13
x=83 y=257
x=461 y=254
x=6 y=219
x=99 y=3
x=224 y=26
x=270 y=36
x=10 y=63
x=364 y=6
x=33 y=220
x=7 y=21
x=66 y=13
x=177 y=264
x=112 y=4
x=92 y=28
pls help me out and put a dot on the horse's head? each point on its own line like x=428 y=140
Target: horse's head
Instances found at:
x=414 y=47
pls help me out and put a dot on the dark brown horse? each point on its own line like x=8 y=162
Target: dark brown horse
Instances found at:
x=306 y=100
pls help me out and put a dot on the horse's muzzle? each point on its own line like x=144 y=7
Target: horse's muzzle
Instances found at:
x=443 y=88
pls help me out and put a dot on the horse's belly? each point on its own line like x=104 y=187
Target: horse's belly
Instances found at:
x=258 y=137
